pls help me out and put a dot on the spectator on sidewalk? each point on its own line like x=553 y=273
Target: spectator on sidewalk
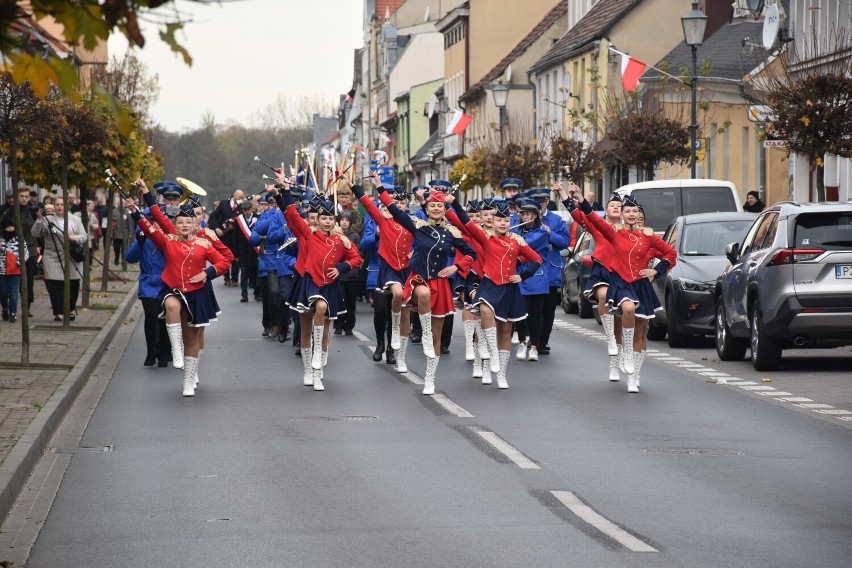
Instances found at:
x=28 y=213
x=10 y=268
x=51 y=228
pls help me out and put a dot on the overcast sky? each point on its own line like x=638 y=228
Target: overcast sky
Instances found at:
x=247 y=52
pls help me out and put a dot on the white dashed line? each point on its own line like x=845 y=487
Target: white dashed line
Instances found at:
x=757 y=388
x=814 y=405
x=451 y=406
x=413 y=377
x=610 y=529
x=776 y=393
x=835 y=412
x=359 y=335
x=796 y=399
x=507 y=449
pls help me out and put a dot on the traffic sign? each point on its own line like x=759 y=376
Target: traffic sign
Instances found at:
x=761 y=113
x=700 y=149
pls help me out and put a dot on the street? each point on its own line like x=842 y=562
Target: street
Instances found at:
x=563 y=469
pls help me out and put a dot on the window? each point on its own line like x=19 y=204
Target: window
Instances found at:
x=661 y=205
x=710 y=239
x=764 y=234
x=707 y=200
x=827 y=231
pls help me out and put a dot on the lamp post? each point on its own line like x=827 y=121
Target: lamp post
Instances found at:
x=694 y=26
x=500 y=92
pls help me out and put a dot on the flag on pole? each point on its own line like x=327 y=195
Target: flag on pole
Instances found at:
x=459 y=123
x=631 y=71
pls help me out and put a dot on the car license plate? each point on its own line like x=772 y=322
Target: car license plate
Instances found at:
x=843 y=271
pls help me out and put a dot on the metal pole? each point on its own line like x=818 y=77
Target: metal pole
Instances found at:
x=693 y=127
x=502 y=123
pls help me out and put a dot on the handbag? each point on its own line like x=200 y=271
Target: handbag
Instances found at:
x=76 y=251
x=12 y=267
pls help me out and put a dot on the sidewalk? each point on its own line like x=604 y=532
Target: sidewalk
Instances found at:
x=34 y=400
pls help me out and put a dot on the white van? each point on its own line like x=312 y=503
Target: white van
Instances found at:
x=665 y=200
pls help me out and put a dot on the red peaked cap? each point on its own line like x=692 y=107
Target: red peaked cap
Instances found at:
x=435 y=196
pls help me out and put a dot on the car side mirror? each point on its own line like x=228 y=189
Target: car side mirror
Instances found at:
x=732 y=251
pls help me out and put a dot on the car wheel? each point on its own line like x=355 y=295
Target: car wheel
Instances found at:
x=584 y=307
x=567 y=306
x=728 y=347
x=656 y=331
x=676 y=338
x=765 y=353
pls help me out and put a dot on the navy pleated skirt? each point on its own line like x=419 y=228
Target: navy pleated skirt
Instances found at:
x=600 y=276
x=306 y=293
x=507 y=301
x=641 y=293
x=388 y=276
x=200 y=304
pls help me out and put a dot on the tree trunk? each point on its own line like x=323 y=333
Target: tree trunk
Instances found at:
x=66 y=246
x=85 y=285
x=820 y=183
x=107 y=240
x=25 y=309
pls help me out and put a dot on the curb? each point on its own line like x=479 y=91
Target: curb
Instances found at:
x=31 y=446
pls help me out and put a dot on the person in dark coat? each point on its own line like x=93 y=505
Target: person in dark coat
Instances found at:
x=221 y=221
x=753 y=203
x=246 y=254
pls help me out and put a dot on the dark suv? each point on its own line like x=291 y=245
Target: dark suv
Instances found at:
x=789 y=284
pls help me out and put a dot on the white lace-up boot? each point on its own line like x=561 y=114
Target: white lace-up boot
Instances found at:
x=504 y=364
x=176 y=339
x=469 y=329
x=396 y=318
x=608 y=322
x=515 y=339
x=627 y=349
x=401 y=367
x=308 y=379
x=324 y=358
x=190 y=367
x=621 y=360
x=477 y=364
x=614 y=375
x=318 y=386
x=490 y=335
x=481 y=344
x=316 y=348
x=426 y=336
x=197 y=365
x=638 y=359
x=429 y=378
x=521 y=352
x=633 y=378
x=532 y=353
x=486 y=373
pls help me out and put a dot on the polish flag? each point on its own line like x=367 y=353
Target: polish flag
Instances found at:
x=631 y=71
x=459 y=123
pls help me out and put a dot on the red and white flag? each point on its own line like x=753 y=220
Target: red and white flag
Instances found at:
x=631 y=71
x=459 y=123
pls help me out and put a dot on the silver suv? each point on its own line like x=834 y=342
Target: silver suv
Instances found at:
x=789 y=284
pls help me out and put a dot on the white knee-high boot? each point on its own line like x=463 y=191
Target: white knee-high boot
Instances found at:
x=477 y=364
x=482 y=345
x=614 y=374
x=638 y=359
x=490 y=335
x=190 y=367
x=396 y=318
x=633 y=378
x=608 y=322
x=318 y=386
x=401 y=367
x=504 y=364
x=429 y=378
x=316 y=347
x=469 y=330
x=197 y=366
x=176 y=339
x=426 y=338
x=627 y=349
x=308 y=378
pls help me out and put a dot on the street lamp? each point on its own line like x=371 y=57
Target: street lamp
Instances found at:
x=500 y=92
x=694 y=25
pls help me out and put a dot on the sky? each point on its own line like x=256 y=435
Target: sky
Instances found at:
x=248 y=52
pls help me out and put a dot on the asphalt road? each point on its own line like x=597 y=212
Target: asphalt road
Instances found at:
x=563 y=469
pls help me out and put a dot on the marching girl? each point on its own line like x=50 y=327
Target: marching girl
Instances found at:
x=498 y=297
x=475 y=348
x=327 y=255
x=394 y=269
x=186 y=300
x=630 y=288
x=597 y=285
x=428 y=286
x=535 y=288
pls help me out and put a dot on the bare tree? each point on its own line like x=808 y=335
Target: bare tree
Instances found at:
x=286 y=112
x=126 y=78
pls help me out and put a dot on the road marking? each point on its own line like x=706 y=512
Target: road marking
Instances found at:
x=451 y=406
x=507 y=449
x=610 y=529
x=741 y=382
x=796 y=399
x=846 y=418
x=757 y=388
x=834 y=412
x=712 y=373
x=360 y=336
x=814 y=405
x=413 y=377
x=776 y=393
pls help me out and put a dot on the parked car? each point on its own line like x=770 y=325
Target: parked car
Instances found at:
x=575 y=274
x=789 y=284
x=665 y=200
x=687 y=291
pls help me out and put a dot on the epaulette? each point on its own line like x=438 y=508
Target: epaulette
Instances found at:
x=210 y=234
x=618 y=227
x=488 y=232
x=518 y=239
x=171 y=237
x=345 y=240
x=454 y=231
x=203 y=243
x=647 y=231
x=419 y=223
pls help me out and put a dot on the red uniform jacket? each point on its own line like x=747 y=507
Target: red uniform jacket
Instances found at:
x=206 y=234
x=633 y=250
x=603 y=249
x=185 y=259
x=501 y=253
x=394 y=240
x=321 y=252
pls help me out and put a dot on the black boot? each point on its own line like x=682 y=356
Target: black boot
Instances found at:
x=390 y=356
x=151 y=358
x=377 y=354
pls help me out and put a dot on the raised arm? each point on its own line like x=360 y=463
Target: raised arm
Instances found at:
x=165 y=225
x=460 y=219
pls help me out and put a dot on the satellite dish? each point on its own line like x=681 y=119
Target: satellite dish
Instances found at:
x=430 y=110
x=509 y=73
x=771 y=25
x=755 y=5
x=426 y=14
